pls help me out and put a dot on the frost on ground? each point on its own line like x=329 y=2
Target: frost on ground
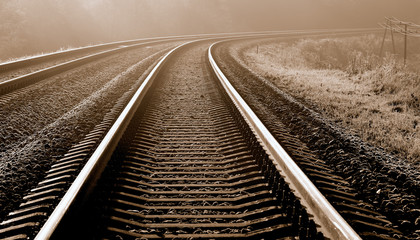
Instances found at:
x=390 y=184
x=41 y=122
x=344 y=78
x=7 y=75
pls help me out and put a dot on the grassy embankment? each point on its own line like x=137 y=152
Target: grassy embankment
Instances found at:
x=344 y=78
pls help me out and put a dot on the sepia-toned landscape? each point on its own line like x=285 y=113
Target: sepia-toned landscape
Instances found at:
x=344 y=77
x=225 y=119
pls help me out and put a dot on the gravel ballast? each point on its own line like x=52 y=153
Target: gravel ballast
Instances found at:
x=388 y=183
x=42 y=121
x=7 y=75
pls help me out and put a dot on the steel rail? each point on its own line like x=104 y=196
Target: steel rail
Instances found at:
x=100 y=157
x=97 y=162
x=25 y=62
x=10 y=65
x=27 y=79
x=30 y=78
x=331 y=222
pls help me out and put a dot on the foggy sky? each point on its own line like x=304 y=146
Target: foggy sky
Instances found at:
x=30 y=26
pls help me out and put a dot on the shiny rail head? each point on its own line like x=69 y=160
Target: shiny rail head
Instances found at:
x=103 y=152
x=332 y=223
x=103 y=149
x=49 y=227
x=8 y=64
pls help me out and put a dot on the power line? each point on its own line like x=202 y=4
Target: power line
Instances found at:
x=407 y=29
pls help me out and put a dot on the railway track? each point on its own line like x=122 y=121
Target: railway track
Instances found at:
x=21 y=73
x=35 y=69
x=188 y=165
x=27 y=62
x=203 y=161
x=13 y=84
x=364 y=216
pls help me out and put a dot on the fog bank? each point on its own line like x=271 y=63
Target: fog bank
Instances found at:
x=33 y=26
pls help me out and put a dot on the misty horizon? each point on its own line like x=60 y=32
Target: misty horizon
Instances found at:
x=30 y=27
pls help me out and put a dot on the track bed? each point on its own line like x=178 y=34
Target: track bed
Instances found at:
x=185 y=168
x=187 y=159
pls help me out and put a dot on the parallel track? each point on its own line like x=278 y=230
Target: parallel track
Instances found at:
x=12 y=65
x=245 y=186
x=104 y=50
x=191 y=155
x=361 y=215
x=90 y=53
x=16 y=83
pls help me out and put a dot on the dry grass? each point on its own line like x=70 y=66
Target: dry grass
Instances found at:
x=377 y=99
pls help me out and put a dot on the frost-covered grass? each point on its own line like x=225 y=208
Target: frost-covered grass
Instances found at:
x=41 y=122
x=376 y=98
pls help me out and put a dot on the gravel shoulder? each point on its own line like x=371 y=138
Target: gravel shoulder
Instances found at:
x=42 y=121
x=389 y=183
x=344 y=79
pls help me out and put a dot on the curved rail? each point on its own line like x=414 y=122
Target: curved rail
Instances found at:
x=27 y=79
x=332 y=224
x=100 y=157
x=11 y=65
x=30 y=78
x=7 y=66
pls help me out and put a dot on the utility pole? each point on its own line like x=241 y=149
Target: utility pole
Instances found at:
x=383 y=41
x=404 y=28
x=405 y=43
x=393 y=44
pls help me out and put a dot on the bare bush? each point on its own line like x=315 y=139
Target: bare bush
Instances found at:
x=375 y=97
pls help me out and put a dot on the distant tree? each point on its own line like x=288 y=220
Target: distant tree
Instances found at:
x=11 y=27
